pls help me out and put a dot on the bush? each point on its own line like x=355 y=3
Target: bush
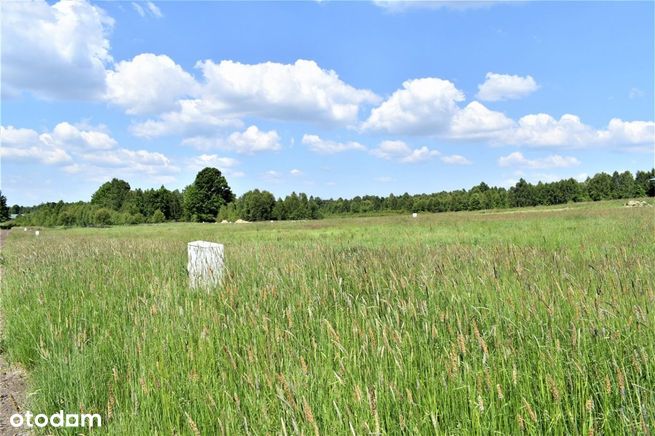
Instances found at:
x=102 y=217
x=138 y=219
x=66 y=219
x=228 y=212
x=157 y=217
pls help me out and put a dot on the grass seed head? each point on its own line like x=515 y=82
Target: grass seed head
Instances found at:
x=192 y=425
x=499 y=391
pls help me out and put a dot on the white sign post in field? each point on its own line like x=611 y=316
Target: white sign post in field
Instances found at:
x=206 y=263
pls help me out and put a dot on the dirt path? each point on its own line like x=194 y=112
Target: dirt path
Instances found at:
x=12 y=380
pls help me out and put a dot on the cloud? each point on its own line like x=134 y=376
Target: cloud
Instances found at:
x=581 y=177
x=401 y=152
x=151 y=8
x=86 y=150
x=213 y=160
x=391 y=149
x=136 y=161
x=12 y=136
x=455 y=159
x=196 y=117
x=419 y=155
x=476 y=121
x=635 y=93
x=52 y=147
x=430 y=107
x=295 y=172
x=517 y=159
x=73 y=169
x=148 y=84
x=68 y=136
x=55 y=51
x=324 y=146
x=630 y=134
x=139 y=10
x=272 y=176
x=251 y=140
x=542 y=130
x=231 y=91
x=147 y=172
x=298 y=91
x=422 y=106
x=398 y=6
x=225 y=164
x=498 y=87
x=154 y=10
x=25 y=144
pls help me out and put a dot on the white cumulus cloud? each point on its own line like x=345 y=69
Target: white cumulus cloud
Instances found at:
x=299 y=91
x=477 y=121
x=138 y=161
x=67 y=135
x=196 y=117
x=86 y=150
x=225 y=164
x=631 y=135
x=455 y=159
x=231 y=91
x=422 y=106
x=544 y=131
x=55 y=146
x=148 y=84
x=55 y=51
x=517 y=159
x=325 y=146
x=505 y=87
x=401 y=152
x=251 y=140
x=25 y=144
x=213 y=160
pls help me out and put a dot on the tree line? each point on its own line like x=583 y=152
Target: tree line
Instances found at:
x=209 y=198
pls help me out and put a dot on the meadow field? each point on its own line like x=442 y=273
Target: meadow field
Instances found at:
x=536 y=320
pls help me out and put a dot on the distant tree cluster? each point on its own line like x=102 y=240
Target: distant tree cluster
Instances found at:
x=113 y=203
x=209 y=198
x=601 y=186
x=259 y=205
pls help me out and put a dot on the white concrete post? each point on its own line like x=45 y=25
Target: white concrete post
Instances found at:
x=414 y=215
x=37 y=233
x=206 y=263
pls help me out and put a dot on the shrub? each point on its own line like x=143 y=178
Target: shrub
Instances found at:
x=157 y=217
x=102 y=217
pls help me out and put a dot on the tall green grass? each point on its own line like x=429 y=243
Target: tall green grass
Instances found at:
x=458 y=323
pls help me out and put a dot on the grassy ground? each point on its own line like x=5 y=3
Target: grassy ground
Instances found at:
x=460 y=323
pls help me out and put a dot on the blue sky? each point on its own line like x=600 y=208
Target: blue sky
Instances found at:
x=329 y=98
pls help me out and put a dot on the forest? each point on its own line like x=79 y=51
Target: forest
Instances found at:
x=209 y=199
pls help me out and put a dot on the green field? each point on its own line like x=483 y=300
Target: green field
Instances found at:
x=540 y=320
